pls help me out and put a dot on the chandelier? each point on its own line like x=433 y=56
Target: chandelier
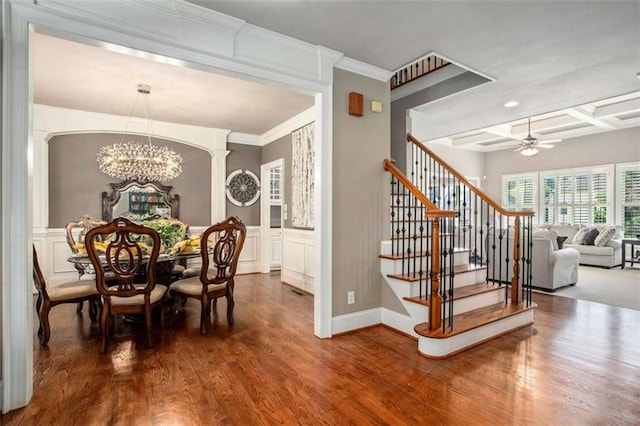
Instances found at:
x=140 y=161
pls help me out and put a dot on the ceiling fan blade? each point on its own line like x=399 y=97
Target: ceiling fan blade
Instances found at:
x=519 y=149
x=544 y=146
x=551 y=141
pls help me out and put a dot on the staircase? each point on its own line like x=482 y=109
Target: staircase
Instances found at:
x=448 y=256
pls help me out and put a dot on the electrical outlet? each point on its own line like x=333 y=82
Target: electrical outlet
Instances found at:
x=351 y=297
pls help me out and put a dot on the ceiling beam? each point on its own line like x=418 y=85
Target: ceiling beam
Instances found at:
x=617 y=109
x=585 y=115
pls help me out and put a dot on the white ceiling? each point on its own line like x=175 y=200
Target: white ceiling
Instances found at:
x=549 y=56
x=77 y=76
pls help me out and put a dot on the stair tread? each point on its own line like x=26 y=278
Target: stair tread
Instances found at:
x=473 y=319
x=459 y=269
x=461 y=292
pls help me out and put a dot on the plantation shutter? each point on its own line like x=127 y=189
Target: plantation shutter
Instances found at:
x=629 y=198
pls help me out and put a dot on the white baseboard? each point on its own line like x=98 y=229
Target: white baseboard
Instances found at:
x=356 y=320
x=398 y=321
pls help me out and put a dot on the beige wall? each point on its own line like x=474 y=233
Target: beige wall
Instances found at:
x=76 y=183
x=245 y=157
x=360 y=192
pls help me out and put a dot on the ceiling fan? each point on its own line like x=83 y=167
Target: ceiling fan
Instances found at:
x=529 y=145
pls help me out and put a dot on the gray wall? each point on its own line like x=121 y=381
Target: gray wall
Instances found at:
x=281 y=148
x=76 y=182
x=246 y=157
x=360 y=192
x=430 y=94
x=621 y=146
x=469 y=163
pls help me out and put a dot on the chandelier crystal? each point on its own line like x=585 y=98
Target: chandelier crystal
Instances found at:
x=140 y=161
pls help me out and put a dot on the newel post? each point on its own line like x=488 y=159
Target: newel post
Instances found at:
x=516 y=285
x=435 y=300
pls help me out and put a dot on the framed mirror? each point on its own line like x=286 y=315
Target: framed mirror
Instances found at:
x=131 y=198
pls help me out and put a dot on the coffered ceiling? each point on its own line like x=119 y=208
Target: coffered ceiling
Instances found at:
x=616 y=113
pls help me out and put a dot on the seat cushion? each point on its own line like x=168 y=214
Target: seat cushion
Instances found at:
x=72 y=290
x=158 y=293
x=178 y=270
x=592 y=250
x=193 y=287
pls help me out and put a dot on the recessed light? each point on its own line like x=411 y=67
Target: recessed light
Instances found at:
x=511 y=104
x=638 y=75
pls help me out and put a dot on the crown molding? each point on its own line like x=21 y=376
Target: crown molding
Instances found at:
x=244 y=138
x=305 y=117
x=364 y=69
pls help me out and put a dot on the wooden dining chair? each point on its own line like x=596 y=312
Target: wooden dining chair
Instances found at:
x=68 y=292
x=220 y=247
x=124 y=256
x=75 y=232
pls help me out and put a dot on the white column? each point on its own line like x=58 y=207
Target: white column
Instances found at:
x=218 y=184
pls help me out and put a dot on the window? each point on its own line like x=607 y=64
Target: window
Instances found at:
x=275 y=184
x=628 y=201
x=519 y=192
x=577 y=196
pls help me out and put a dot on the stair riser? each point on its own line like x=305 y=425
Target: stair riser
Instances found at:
x=411 y=289
x=459 y=259
x=440 y=348
x=474 y=302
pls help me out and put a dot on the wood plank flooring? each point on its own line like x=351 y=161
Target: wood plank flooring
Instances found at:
x=579 y=364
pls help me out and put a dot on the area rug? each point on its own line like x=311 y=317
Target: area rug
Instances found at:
x=616 y=287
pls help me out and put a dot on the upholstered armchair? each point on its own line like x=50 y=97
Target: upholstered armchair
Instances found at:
x=551 y=268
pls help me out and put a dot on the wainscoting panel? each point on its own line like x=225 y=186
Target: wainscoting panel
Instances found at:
x=53 y=252
x=298 y=258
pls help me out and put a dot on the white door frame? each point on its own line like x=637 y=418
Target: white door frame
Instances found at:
x=182 y=33
x=265 y=212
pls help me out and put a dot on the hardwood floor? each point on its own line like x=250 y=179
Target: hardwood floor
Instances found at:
x=578 y=364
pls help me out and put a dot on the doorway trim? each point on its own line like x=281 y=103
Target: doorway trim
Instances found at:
x=265 y=213
x=184 y=34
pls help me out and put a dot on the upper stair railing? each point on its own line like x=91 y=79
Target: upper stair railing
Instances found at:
x=496 y=238
x=417 y=69
x=421 y=238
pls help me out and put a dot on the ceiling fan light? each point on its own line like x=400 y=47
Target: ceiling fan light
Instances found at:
x=529 y=151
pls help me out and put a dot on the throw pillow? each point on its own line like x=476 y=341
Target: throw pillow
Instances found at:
x=579 y=237
x=561 y=241
x=591 y=237
x=606 y=235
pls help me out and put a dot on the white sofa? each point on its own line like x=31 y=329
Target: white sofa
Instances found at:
x=608 y=256
x=551 y=267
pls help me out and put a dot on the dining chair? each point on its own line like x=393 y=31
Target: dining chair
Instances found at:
x=220 y=247
x=75 y=232
x=124 y=255
x=68 y=292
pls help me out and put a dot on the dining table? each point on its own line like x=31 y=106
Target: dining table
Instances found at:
x=164 y=264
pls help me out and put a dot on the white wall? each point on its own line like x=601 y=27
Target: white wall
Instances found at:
x=620 y=146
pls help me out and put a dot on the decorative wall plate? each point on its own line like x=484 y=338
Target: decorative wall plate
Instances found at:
x=243 y=187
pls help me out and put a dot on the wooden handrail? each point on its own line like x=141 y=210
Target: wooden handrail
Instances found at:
x=432 y=209
x=462 y=179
